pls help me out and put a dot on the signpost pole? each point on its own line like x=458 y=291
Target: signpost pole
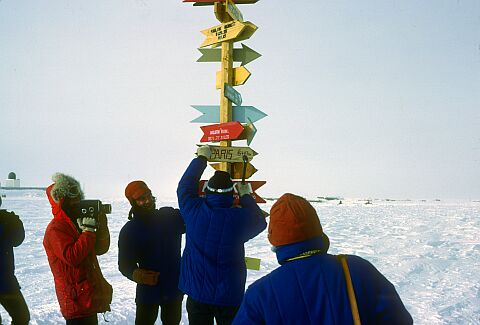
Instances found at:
x=226 y=76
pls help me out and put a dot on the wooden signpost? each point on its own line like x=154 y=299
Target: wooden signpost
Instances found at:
x=227 y=119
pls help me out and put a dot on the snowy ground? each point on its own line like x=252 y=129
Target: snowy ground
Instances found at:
x=430 y=250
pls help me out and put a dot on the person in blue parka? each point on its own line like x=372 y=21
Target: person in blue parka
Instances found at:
x=213 y=271
x=12 y=235
x=149 y=248
x=310 y=285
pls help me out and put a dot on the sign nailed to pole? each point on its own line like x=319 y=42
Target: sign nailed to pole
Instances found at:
x=232 y=94
x=242 y=114
x=233 y=11
x=221 y=132
x=230 y=154
x=244 y=55
x=233 y=30
x=240 y=76
x=237 y=170
x=211 y=2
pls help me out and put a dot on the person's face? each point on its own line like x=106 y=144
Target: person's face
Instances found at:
x=69 y=206
x=146 y=202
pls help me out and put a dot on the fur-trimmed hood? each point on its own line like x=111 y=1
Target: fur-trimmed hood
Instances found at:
x=65 y=186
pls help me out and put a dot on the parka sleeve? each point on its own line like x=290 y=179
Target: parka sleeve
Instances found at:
x=179 y=221
x=13 y=228
x=127 y=257
x=102 y=243
x=66 y=248
x=255 y=220
x=187 y=191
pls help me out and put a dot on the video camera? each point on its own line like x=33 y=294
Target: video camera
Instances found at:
x=92 y=208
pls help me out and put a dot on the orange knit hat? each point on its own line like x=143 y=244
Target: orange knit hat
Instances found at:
x=292 y=219
x=136 y=189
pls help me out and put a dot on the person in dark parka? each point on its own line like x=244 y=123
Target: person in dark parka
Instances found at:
x=12 y=235
x=310 y=287
x=213 y=271
x=149 y=248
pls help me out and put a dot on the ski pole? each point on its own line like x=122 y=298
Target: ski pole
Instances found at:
x=245 y=162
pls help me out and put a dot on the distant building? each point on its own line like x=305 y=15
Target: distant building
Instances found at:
x=12 y=180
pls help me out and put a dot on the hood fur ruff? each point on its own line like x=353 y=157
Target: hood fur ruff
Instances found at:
x=65 y=186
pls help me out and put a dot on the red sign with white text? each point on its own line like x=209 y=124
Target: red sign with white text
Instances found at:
x=221 y=132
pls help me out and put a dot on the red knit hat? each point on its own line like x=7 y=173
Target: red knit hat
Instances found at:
x=292 y=219
x=136 y=189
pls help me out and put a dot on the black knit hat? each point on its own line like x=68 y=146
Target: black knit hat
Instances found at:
x=219 y=183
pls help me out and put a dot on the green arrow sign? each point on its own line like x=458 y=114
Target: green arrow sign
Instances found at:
x=232 y=94
x=244 y=55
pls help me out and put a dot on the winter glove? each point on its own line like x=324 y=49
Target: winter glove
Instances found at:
x=204 y=151
x=142 y=276
x=243 y=189
x=87 y=224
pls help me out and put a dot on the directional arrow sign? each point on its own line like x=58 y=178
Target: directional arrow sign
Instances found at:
x=233 y=11
x=240 y=76
x=244 y=55
x=232 y=94
x=254 y=185
x=233 y=30
x=237 y=170
x=210 y=2
x=223 y=32
x=221 y=132
x=249 y=132
x=242 y=114
x=230 y=154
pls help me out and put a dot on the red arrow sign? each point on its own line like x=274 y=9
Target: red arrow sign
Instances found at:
x=222 y=131
x=255 y=185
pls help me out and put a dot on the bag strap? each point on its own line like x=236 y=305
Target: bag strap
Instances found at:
x=351 y=293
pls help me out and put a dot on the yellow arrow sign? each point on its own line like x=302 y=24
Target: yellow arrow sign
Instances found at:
x=237 y=170
x=240 y=76
x=233 y=30
x=231 y=154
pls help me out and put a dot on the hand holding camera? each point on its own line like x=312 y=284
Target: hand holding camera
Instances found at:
x=87 y=224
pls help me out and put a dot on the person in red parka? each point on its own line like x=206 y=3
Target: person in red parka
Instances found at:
x=72 y=244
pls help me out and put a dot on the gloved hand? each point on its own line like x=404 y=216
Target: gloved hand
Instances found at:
x=143 y=276
x=87 y=224
x=204 y=151
x=243 y=189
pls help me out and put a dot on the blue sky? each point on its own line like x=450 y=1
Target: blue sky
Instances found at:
x=364 y=99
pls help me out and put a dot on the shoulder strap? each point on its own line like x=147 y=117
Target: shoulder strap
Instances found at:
x=351 y=293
